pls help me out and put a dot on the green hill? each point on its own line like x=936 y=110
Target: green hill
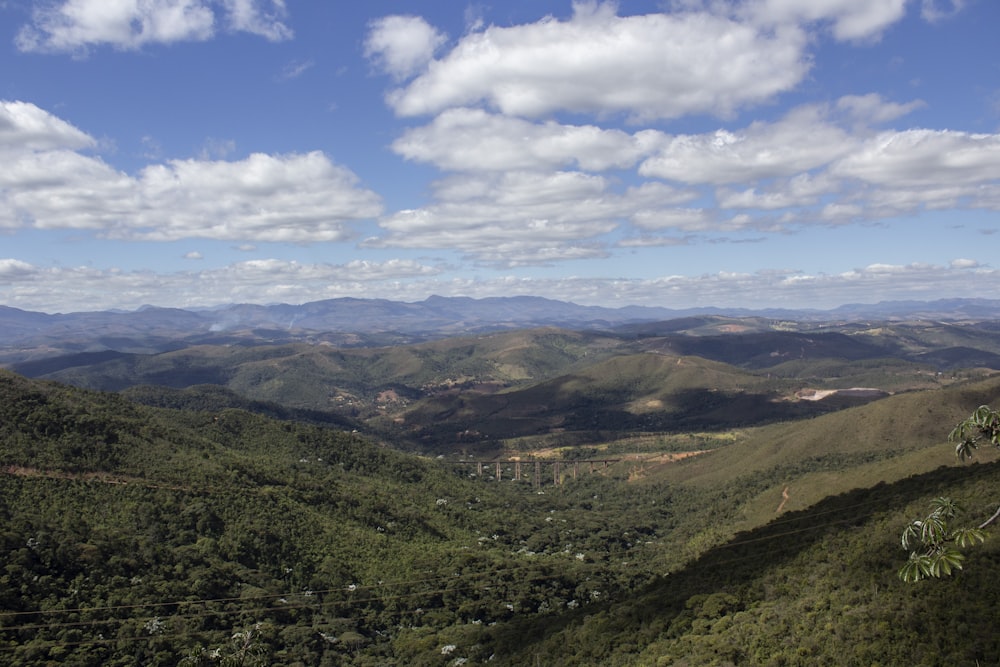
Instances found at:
x=816 y=587
x=135 y=535
x=140 y=535
x=548 y=387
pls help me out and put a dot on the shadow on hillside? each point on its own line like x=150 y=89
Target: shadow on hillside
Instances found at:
x=664 y=607
x=698 y=409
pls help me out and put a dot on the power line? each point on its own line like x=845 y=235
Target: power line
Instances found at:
x=354 y=601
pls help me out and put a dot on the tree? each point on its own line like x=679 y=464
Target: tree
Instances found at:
x=934 y=541
x=244 y=650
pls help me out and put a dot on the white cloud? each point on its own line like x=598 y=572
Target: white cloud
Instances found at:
x=216 y=148
x=873 y=108
x=648 y=67
x=839 y=213
x=964 y=264
x=26 y=127
x=938 y=10
x=479 y=214
x=849 y=19
x=900 y=172
x=646 y=241
x=126 y=24
x=295 y=69
x=801 y=141
x=65 y=289
x=687 y=219
x=62 y=189
x=817 y=170
x=799 y=191
x=922 y=158
x=261 y=272
x=522 y=217
x=402 y=45
x=473 y=140
x=76 y=25
x=251 y=16
x=13 y=269
x=301 y=198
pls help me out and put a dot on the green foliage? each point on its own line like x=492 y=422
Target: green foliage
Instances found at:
x=983 y=423
x=139 y=535
x=934 y=541
x=814 y=587
x=931 y=542
x=195 y=524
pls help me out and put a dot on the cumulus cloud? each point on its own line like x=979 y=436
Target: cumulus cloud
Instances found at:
x=26 y=127
x=477 y=214
x=874 y=109
x=76 y=25
x=402 y=45
x=824 y=163
x=819 y=164
x=803 y=140
x=523 y=217
x=48 y=184
x=62 y=189
x=798 y=191
x=257 y=18
x=687 y=219
x=925 y=158
x=848 y=19
x=300 y=198
x=15 y=269
x=473 y=140
x=647 y=67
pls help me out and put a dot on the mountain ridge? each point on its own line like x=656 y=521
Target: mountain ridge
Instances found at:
x=435 y=315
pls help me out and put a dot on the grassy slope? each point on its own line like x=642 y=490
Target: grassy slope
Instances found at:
x=816 y=587
x=811 y=459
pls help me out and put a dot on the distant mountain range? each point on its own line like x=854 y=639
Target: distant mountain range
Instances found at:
x=350 y=321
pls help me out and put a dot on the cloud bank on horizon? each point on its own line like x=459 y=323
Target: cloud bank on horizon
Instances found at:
x=718 y=152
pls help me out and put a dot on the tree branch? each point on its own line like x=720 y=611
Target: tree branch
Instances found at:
x=991 y=519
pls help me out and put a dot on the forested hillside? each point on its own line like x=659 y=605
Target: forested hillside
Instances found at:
x=139 y=535
x=502 y=392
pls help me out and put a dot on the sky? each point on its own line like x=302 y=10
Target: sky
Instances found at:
x=679 y=153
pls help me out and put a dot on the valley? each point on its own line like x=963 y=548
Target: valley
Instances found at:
x=700 y=490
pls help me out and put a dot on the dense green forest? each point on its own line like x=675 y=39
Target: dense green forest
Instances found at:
x=134 y=534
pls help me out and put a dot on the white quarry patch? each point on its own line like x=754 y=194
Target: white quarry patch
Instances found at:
x=820 y=394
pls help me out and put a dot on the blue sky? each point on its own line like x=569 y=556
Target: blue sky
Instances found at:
x=795 y=153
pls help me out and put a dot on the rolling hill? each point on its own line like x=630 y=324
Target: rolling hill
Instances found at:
x=162 y=492
x=31 y=336
x=693 y=373
x=134 y=533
